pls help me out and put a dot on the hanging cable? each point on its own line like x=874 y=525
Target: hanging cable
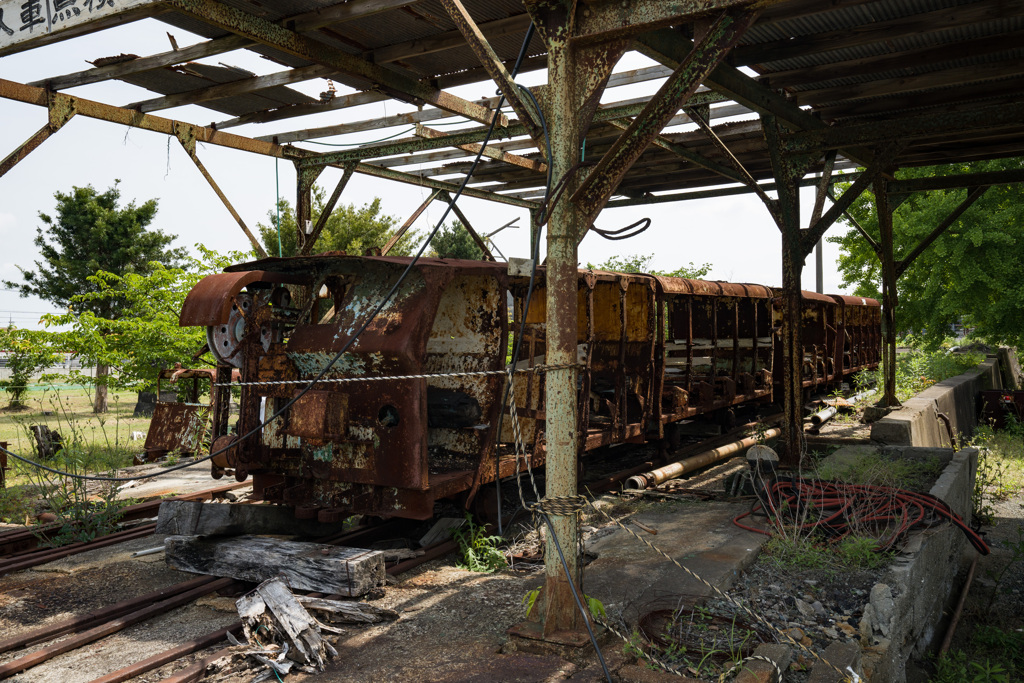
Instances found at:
x=618 y=234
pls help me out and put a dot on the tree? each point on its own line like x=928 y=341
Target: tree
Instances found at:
x=349 y=228
x=641 y=263
x=454 y=241
x=145 y=337
x=28 y=351
x=970 y=275
x=91 y=232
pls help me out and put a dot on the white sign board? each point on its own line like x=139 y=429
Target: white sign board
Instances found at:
x=25 y=20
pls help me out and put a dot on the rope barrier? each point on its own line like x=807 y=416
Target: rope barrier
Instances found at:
x=575 y=504
x=389 y=378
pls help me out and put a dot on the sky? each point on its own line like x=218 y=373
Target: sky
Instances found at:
x=734 y=234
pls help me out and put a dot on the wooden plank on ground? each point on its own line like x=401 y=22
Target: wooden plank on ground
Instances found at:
x=306 y=566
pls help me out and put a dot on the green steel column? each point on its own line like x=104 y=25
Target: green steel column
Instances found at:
x=560 y=612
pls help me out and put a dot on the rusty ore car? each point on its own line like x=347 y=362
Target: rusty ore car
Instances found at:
x=653 y=351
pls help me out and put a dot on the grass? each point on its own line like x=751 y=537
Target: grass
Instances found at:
x=95 y=443
x=1000 y=467
x=796 y=553
x=917 y=370
x=903 y=473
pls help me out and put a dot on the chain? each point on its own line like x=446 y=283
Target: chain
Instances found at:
x=382 y=378
x=575 y=504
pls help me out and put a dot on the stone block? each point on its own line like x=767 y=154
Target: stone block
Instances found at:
x=840 y=654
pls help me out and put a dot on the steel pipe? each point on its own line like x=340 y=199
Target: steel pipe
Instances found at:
x=678 y=469
x=823 y=416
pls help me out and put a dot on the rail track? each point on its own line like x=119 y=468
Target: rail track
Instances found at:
x=79 y=631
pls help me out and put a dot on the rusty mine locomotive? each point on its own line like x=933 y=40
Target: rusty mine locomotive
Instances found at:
x=652 y=351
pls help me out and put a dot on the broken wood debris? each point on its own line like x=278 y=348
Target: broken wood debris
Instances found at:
x=306 y=566
x=272 y=609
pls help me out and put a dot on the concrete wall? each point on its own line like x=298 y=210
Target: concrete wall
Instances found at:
x=917 y=422
x=902 y=618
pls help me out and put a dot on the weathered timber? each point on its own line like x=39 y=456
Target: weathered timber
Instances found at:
x=307 y=566
x=273 y=607
x=195 y=518
x=347 y=612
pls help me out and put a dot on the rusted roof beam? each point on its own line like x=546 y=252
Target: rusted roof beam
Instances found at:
x=186 y=135
x=339 y=102
x=407 y=119
x=913 y=127
x=447 y=199
x=906 y=84
x=328 y=208
x=668 y=47
x=489 y=152
x=489 y=59
x=904 y=59
x=720 y=36
x=59 y=112
x=371 y=76
x=344 y=11
x=20 y=92
x=710 y=193
x=112 y=71
x=956 y=17
x=952 y=182
x=239 y=87
x=449 y=40
x=611 y=19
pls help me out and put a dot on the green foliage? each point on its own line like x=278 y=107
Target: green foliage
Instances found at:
x=28 y=351
x=1000 y=467
x=91 y=232
x=992 y=655
x=797 y=553
x=479 y=550
x=350 y=228
x=917 y=370
x=904 y=473
x=145 y=337
x=641 y=263
x=454 y=241
x=84 y=513
x=969 y=275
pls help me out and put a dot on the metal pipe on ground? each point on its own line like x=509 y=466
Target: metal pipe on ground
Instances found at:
x=823 y=416
x=678 y=469
x=955 y=619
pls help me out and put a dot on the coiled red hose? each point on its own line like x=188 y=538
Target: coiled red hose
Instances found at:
x=836 y=509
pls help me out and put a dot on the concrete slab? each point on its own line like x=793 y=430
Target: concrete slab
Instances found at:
x=628 y=576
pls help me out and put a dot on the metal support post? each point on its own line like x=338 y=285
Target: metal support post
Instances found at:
x=328 y=208
x=408 y=223
x=567 y=221
x=60 y=109
x=884 y=212
x=305 y=178
x=186 y=135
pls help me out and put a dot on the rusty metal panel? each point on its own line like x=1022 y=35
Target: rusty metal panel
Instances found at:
x=176 y=427
x=209 y=301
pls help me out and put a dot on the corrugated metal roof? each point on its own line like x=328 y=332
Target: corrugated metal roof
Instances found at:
x=193 y=76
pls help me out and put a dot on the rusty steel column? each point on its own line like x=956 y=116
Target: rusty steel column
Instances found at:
x=566 y=223
x=788 y=170
x=884 y=212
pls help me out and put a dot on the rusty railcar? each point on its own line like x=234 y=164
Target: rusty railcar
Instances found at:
x=398 y=424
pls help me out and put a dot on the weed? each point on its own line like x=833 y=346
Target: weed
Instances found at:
x=81 y=519
x=917 y=370
x=595 y=606
x=851 y=553
x=1000 y=467
x=479 y=550
x=903 y=473
x=992 y=655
